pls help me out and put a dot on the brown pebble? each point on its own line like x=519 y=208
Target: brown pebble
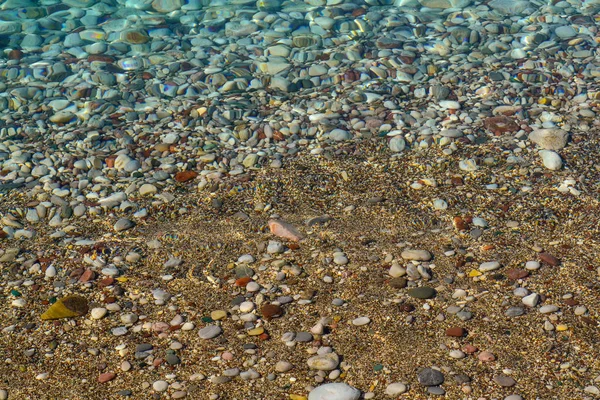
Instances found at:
x=459 y=223
x=517 y=273
x=185 y=176
x=110 y=161
x=456 y=332
x=76 y=273
x=15 y=55
x=88 y=275
x=242 y=282
x=106 y=282
x=571 y=302
x=501 y=124
x=398 y=283
x=270 y=311
x=549 y=259
x=107 y=376
x=406 y=307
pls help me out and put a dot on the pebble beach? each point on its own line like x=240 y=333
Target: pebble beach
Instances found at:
x=299 y=200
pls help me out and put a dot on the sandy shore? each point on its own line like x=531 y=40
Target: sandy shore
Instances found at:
x=374 y=216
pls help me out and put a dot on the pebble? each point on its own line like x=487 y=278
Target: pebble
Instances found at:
x=430 y=377
x=504 y=381
x=98 y=312
x=489 y=266
x=360 y=321
x=283 y=366
x=285 y=230
x=334 y=391
x=210 y=332
x=549 y=139
x=531 y=300
x=395 y=389
x=417 y=255
x=123 y=224
x=106 y=377
x=160 y=386
x=423 y=292
x=551 y=160
x=324 y=362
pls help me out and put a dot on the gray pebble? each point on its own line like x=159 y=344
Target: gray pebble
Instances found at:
x=430 y=377
x=210 y=331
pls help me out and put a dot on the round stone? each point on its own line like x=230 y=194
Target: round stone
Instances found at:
x=98 y=312
x=334 y=391
x=430 y=377
x=397 y=144
x=160 y=386
x=324 y=362
x=395 y=389
x=551 y=160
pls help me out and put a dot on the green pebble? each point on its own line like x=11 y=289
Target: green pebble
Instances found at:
x=378 y=367
x=15 y=293
x=207 y=319
x=424 y=292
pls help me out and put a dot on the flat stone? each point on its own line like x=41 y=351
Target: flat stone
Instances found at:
x=489 y=266
x=549 y=139
x=160 y=386
x=549 y=259
x=334 y=391
x=324 y=362
x=360 y=321
x=147 y=189
x=395 y=389
x=285 y=230
x=339 y=135
x=514 y=312
x=123 y=224
x=517 y=273
x=424 y=292
x=436 y=390
x=210 y=331
x=416 y=255
x=398 y=283
x=106 y=377
x=430 y=377
x=504 y=381
x=456 y=332
x=304 y=337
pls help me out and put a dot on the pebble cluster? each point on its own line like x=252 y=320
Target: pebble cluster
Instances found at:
x=122 y=116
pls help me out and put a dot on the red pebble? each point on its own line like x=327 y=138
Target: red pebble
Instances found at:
x=456 y=332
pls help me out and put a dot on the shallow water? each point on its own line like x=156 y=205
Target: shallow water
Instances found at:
x=74 y=62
